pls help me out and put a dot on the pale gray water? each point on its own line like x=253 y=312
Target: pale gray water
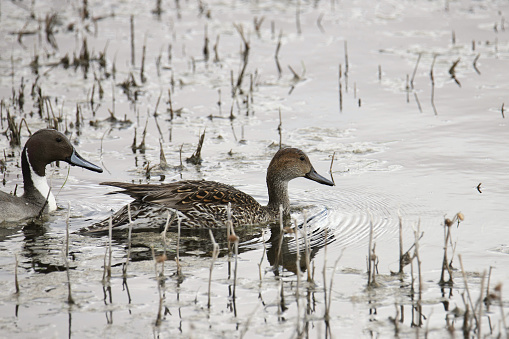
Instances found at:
x=391 y=159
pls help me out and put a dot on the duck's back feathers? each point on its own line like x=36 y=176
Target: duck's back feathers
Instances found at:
x=198 y=204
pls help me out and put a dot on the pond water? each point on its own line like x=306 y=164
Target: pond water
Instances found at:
x=409 y=96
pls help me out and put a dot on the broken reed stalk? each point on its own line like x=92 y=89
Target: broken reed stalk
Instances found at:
x=245 y=58
x=110 y=236
x=419 y=271
x=280 y=129
x=261 y=259
x=280 y=245
x=307 y=248
x=215 y=254
x=163 y=235
x=340 y=90
x=70 y=300
x=464 y=275
x=432 y=77
x=16 y=283
x=235 y=239
x=276 y=56
x=177 y=258
x=143 y=52
x=346 y=67
x=124 y=270
x=324 y=274
x=159 y=317
x=371 y=274
x=195 y=158
x=415 y=70
x=330 y=168
x=297 y=272
x=445 y=263
x=401 y=262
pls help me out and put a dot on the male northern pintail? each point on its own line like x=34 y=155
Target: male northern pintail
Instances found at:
x=41 y=149
x=203 y=204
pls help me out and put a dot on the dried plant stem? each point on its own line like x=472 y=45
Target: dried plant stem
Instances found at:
x=110 y=236
x=324 y=274
x=280 y=130
x=276 y=56
x=261 y=259
x=177 y=258
x=307 y=247
x=16 y=283
x=401 y=261
x=298 y=272
x=464 y=274
x=124 y=270
x=70 y=300
x=432 y=77
x=445 y=263
x=330 y=168
x=371 y=275
x=233 y=238
x=215 y=254
x=340 y=89
x=415 y=70
x=132 y=40
x=419 y=271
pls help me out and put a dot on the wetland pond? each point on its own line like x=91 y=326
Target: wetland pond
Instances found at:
x=406 y=96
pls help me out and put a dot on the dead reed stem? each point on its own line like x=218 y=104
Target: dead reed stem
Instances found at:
x=280 y=130
x=464 y=275
x=330 y=168
x=70 y=300
x=132 y=40
x=215 y=254
x=324 y=274
x=261 y=259
x=371 y=275
x=401 y=263
x=276 y=56
x=235 y=239
x=124 y=270
x=340 y=89
x=16 y=282
x=415 y=70
x=307 y=248
x=110 y=235
x=419 y=271
x=432 y=77
x=143 y=53
x=298 y=271
x=177 y=258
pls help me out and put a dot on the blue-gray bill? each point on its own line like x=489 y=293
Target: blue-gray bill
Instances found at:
x=77 y=160
x=313 y=175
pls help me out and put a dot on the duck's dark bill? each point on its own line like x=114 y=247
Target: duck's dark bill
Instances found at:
x=76 y=160
x=313 y=175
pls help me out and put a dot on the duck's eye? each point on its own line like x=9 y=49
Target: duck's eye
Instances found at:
x=302 y=158
x=58 y=139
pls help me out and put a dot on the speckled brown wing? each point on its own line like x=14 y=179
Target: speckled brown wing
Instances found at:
x=184 y=195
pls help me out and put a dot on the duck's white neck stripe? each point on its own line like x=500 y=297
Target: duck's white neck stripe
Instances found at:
x=41 y=184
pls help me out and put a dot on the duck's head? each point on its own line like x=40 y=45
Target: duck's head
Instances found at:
x=291 y=163
x=48 y=145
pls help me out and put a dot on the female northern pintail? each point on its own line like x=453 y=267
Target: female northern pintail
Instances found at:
x=41 y=149
x=203 y=204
